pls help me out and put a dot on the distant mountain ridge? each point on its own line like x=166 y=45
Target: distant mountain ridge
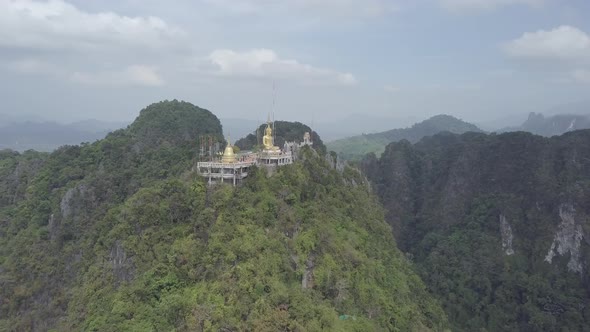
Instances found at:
x=48 y=136
x=357 y=146
x=555 y=125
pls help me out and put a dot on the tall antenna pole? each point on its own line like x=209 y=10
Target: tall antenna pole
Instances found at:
x=274 y=96
x=311 y=134
x=257 y=132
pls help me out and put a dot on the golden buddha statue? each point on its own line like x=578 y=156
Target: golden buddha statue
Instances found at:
x=267 y=140
x=228 y=154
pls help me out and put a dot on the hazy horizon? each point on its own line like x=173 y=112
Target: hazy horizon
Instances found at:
x=478 y=60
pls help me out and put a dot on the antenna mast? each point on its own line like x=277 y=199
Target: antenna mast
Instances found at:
x=311 y=134
x=274 y=95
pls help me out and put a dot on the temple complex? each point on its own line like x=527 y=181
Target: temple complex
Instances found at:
x=233 y=167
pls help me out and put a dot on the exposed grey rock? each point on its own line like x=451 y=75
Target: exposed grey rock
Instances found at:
x=53 y=227
x=122 y=265
x=66 y=203
x=567 y=239
x=506 y=232
x=307 y=279
x=76 y=201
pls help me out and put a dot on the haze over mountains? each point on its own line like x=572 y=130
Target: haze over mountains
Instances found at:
x=48 y=136
x=21 y=133
x=538 y=124
x=357 y=146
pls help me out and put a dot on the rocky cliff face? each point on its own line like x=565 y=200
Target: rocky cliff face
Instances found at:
x=506 y=233
x=567 y=240
x=488 y=216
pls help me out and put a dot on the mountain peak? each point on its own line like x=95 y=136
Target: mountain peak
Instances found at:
x=175 y=122
x=357 y=146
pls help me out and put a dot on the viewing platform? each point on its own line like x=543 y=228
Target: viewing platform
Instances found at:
x=216 y=171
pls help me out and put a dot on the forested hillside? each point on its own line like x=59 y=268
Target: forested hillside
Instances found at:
x=354 y=148
x=497 y=225
x=121 y=235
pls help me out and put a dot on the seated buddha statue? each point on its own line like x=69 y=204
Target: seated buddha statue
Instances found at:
x=267 y=140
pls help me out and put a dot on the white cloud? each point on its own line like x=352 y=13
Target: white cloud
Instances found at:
x=57 y=38
x=581 y=76
x=265 y=63
x=470 y=5
x=562 y=43
x=324 y=8
x=132 y=75
x=565 y=51
x=56 y=24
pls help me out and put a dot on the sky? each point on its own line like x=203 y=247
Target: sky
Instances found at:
x=479 y=60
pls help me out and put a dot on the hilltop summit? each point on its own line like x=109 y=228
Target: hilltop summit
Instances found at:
x=357 y=146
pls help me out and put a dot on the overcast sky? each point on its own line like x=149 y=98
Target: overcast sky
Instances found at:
x=475 y=59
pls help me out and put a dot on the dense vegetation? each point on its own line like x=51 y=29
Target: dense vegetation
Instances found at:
x=354 y=148
x=40 y=250
x=285 y=131
x=497 y=225
x=16 y=172
x=121 y=235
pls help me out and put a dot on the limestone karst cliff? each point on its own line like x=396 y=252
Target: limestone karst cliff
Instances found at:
x=497 y=224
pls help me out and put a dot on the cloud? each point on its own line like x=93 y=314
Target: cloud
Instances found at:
x=479 y=5
x=56 y=24
x=265 y=63
x=581 y=76
x=562 y=43
x=565 y=52
x=324 y=8
x=132 y=75
x=57 y=38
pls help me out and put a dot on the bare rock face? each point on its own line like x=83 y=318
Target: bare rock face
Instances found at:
x=506 y=232
x=567 y=239
x=123 y=269
x=65 y=204
x=307 y=280
x=54 y=227
x=76 y=202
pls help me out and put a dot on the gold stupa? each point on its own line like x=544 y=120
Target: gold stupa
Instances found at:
x=228 y=155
